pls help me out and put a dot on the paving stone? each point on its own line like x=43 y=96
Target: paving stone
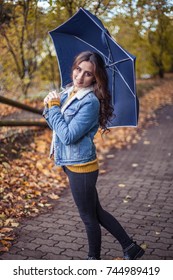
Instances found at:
x=165 y=254
x=47 y=249
x=34 y=228
x=48 y=242
x=7 y=256
x=37 y=255
x=76 y=234
x=51 y=256
x=57 y=231
x=75 y=255
x=73 y=246
x=24 y=245
x=33 y=234
x=58 y=238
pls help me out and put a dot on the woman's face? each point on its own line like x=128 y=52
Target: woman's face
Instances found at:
x=83 y=75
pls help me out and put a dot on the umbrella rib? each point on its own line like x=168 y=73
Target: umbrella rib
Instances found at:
x=106 y=33
x=125 y=82
x=112 y=64
x=91 y=47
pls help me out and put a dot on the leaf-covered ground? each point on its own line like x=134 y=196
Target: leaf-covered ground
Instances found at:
x=29 y=181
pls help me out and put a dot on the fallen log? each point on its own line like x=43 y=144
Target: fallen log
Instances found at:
x=20 y=105
x=22 y=123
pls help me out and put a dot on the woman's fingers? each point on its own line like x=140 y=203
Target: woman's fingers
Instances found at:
x=51 y=95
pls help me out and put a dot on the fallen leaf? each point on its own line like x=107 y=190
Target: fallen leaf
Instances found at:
x=146 y=142
x=144 y=246
x=134 y=164
x=4 y=249
x=110 y=156
x=118 y=258
x=5 y=230
x=121 y=185
x=6 y=165
x=14 y=224
x=53 y=196
x=128 y=197
x=102 y=171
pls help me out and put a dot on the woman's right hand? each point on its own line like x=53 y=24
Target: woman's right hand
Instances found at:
x=52 y=95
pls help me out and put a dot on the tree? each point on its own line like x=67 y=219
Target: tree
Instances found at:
x=69 y=7
x=126 y=26
x=24 y=27
x=21 y=33
x=143 y=27
x=158 y=35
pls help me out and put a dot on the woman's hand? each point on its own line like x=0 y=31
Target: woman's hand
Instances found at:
x=52 y=95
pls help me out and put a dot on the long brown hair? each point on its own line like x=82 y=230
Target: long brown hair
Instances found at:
x=100 y=85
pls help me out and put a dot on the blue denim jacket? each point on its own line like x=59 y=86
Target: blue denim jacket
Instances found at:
x=74 y=124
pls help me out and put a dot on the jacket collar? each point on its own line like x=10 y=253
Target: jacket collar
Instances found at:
x=79 y=95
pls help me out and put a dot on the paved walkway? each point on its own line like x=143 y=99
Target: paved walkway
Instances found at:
x=137 y=188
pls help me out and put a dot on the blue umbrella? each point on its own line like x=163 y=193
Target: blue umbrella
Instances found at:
x=85 y=32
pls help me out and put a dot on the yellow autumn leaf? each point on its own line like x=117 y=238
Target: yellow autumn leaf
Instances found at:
x=2 y=216
x=121 y=185
x=128 y=197
x=53 y=196
x=102 y=171
x=134 y=164
x=146 y=142
x=14 y=151
x=46 y=172
x=8 y=222
x=5 y=243
x=14 y=224
x=41 y=146
x=48 y=205
x=144 y=246
x=39 y=165
x=41 y=204
x=6 y=165
x=8 y=238
x=110 y=156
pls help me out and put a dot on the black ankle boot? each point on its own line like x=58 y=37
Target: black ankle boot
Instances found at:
x=92 y=258
x=133 y=252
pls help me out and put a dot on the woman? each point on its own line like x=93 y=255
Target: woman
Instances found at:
x=75 y=118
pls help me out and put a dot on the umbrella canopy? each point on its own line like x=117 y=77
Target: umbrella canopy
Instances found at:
x=85 y=32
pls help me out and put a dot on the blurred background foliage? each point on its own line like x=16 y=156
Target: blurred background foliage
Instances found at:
x=28 y=65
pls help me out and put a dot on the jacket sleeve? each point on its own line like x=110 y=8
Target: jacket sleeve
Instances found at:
x=46 y=116
x=84 y=120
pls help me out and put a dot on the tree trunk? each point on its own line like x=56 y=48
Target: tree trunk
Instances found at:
x=19 y=105
x=22 y=123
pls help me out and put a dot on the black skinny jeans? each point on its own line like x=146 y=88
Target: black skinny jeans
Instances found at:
x=83 y=187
